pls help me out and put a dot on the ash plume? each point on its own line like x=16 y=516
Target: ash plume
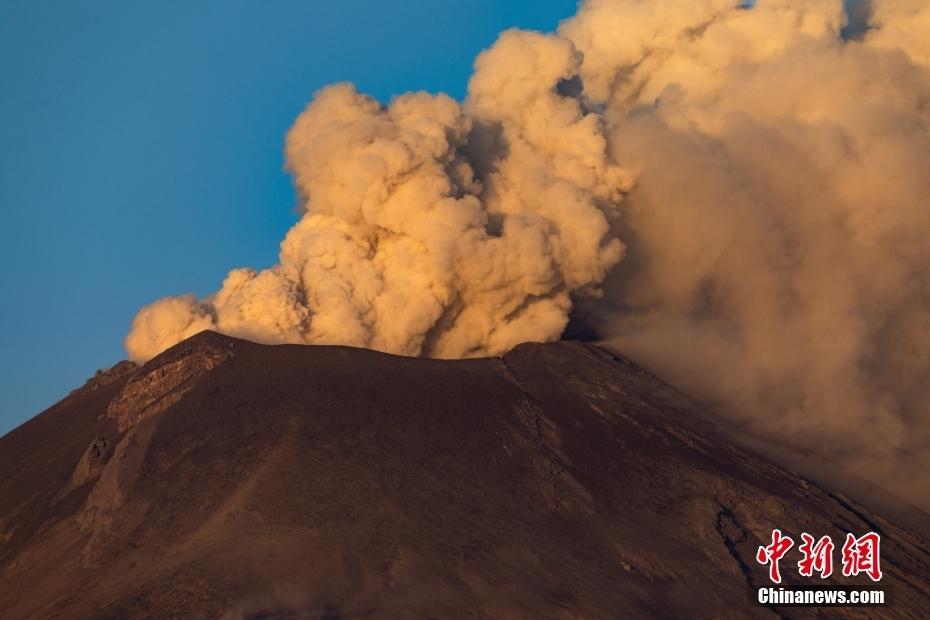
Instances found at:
x=737 y=194
x=429 y=229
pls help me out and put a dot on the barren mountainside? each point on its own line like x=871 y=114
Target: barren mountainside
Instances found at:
x=229 y=479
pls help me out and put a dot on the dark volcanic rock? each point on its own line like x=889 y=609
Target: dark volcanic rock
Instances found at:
x=229 y=479
x=166 y=378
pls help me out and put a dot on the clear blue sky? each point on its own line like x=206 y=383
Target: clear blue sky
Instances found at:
x=141 y=149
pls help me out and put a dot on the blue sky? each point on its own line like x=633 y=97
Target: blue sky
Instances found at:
x=141 y=149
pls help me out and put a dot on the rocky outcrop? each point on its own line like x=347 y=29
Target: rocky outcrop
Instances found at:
x=155 y=387
x=89 y=467
x=114 y=484
x=106 y=377
x=165 y=379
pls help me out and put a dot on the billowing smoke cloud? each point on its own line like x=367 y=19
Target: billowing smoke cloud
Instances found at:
x=747 y=183
x=429 y=230
x=777 y=233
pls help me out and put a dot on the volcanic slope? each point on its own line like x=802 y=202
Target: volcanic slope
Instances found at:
x=229 y=479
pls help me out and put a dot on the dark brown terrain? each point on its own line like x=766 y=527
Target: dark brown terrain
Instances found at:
x=234 y=480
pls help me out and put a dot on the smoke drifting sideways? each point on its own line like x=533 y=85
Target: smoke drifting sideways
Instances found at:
x=734 y=194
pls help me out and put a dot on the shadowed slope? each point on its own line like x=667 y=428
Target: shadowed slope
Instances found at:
x=230 y=479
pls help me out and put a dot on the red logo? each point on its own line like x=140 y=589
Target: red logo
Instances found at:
x=860 y=555
x=773 y=553
x=816 y=557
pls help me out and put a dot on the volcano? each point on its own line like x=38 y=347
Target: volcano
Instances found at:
x=228 y=479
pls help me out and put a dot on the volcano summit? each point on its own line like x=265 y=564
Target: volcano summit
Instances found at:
x=229 y=479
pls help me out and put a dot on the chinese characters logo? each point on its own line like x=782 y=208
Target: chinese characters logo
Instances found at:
x=858 y=555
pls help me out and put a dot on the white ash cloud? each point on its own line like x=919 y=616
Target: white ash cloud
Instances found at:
x=747 y=187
